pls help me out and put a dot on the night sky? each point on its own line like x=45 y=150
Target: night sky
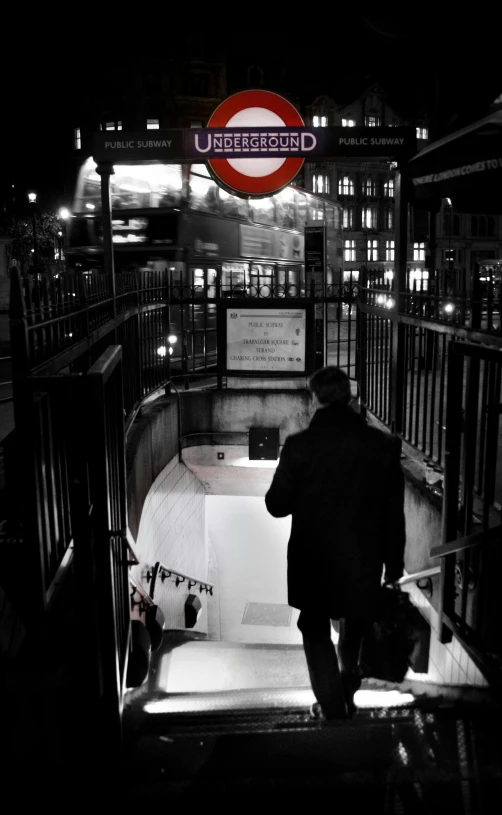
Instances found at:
x=453 y=63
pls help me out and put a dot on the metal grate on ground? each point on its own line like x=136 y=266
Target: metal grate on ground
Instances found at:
x=267 y=614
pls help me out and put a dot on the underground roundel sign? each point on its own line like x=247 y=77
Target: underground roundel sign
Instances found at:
x=258 y=176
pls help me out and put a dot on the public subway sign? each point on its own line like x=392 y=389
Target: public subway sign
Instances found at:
x=263 y=155
x=258 y=143
x=266 y=340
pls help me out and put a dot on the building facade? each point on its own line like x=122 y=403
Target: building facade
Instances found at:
x=366 y=191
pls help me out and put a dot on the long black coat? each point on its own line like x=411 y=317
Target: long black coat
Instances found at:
x=343 y=483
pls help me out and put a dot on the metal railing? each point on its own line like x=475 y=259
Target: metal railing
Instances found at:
x=469 y=611
x=68 y=323
x=416 y=577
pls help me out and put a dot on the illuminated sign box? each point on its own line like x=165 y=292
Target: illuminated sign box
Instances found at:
x=266 y=340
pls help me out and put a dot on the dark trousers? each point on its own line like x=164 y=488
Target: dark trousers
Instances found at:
x=334 y=679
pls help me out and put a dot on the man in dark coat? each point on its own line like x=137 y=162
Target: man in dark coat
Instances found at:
x=342 y=482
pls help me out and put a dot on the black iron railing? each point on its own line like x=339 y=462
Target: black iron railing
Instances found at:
x=73 y=322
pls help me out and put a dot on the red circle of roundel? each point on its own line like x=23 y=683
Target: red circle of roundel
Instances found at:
x=250 y=184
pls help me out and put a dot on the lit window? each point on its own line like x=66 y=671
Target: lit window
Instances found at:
x=348 y=122
x=419 y=251
x=152 y=124
x=113 y=125
x=316 y=213
x=372 y=121
x=372 y=249
x=77 y=139
x=389 y=250
x=419 y=279
x=320 y=183
x=370 y=217
x=369 y=186
x=319 y=121
x=196 y=123
x=388 y=188
x=345 y=186
x=348 y=218
x=389 y=219
x=349 y=250
x=422 y=133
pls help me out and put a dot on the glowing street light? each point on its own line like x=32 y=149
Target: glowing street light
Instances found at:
x=32 y=198
x=64 y=213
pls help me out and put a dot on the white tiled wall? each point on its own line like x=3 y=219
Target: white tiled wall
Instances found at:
x=448 y=664
x=172 y=531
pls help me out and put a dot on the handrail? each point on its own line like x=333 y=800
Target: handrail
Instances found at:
x=152 y=574
x=145 y=599
x=216 y=433
x=467 y=542
x=416 y=576
x=131 y=545
x=135 y=412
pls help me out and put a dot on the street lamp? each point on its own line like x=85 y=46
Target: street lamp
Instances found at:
x=63 y=215
x=450 y=259
x=32 y=198
x=60 y=248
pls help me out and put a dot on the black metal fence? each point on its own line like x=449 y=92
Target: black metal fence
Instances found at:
x=166 y=324
x=432 y=373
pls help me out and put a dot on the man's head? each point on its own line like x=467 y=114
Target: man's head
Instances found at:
x=331 y=386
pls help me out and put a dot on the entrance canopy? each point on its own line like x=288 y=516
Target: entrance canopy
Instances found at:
x=465 y=166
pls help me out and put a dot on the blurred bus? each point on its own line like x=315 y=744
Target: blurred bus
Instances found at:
x=175 y=217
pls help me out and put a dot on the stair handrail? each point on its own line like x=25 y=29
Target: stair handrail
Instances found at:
x=165 y=572
x=416 y=576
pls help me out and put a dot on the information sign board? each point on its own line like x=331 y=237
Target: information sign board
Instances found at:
x=266 y=340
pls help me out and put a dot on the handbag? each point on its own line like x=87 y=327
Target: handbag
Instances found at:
x=396 y=639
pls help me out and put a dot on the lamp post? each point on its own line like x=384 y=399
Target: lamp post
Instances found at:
x=450 y=259
x=32 y=198
x=60 y=249
x=63 y=214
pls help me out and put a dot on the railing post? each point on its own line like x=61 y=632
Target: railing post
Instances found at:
x=449 y=531
x=399 y=288
x=361 y=341
x=109 y=522
x=105 y=170
x=476 y=298
x=221 y=316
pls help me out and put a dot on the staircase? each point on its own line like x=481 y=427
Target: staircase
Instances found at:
x=257 y=746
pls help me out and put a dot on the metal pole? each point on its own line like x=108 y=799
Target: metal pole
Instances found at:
x=399 y=287
x=35 y=253
x=105 y=171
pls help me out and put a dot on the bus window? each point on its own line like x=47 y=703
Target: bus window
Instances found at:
x=129 y=191
x=285 y=208
x=261 y=210
x=234 y=278
x=203 y=194
x=143 y=186
x=301 y=210
x=232 y=206
x=330 y=215
x=212 y=275
x=315 y=209
x=88 y=190
x=261 y=280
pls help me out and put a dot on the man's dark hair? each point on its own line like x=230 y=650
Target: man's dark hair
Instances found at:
x=331 y=385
